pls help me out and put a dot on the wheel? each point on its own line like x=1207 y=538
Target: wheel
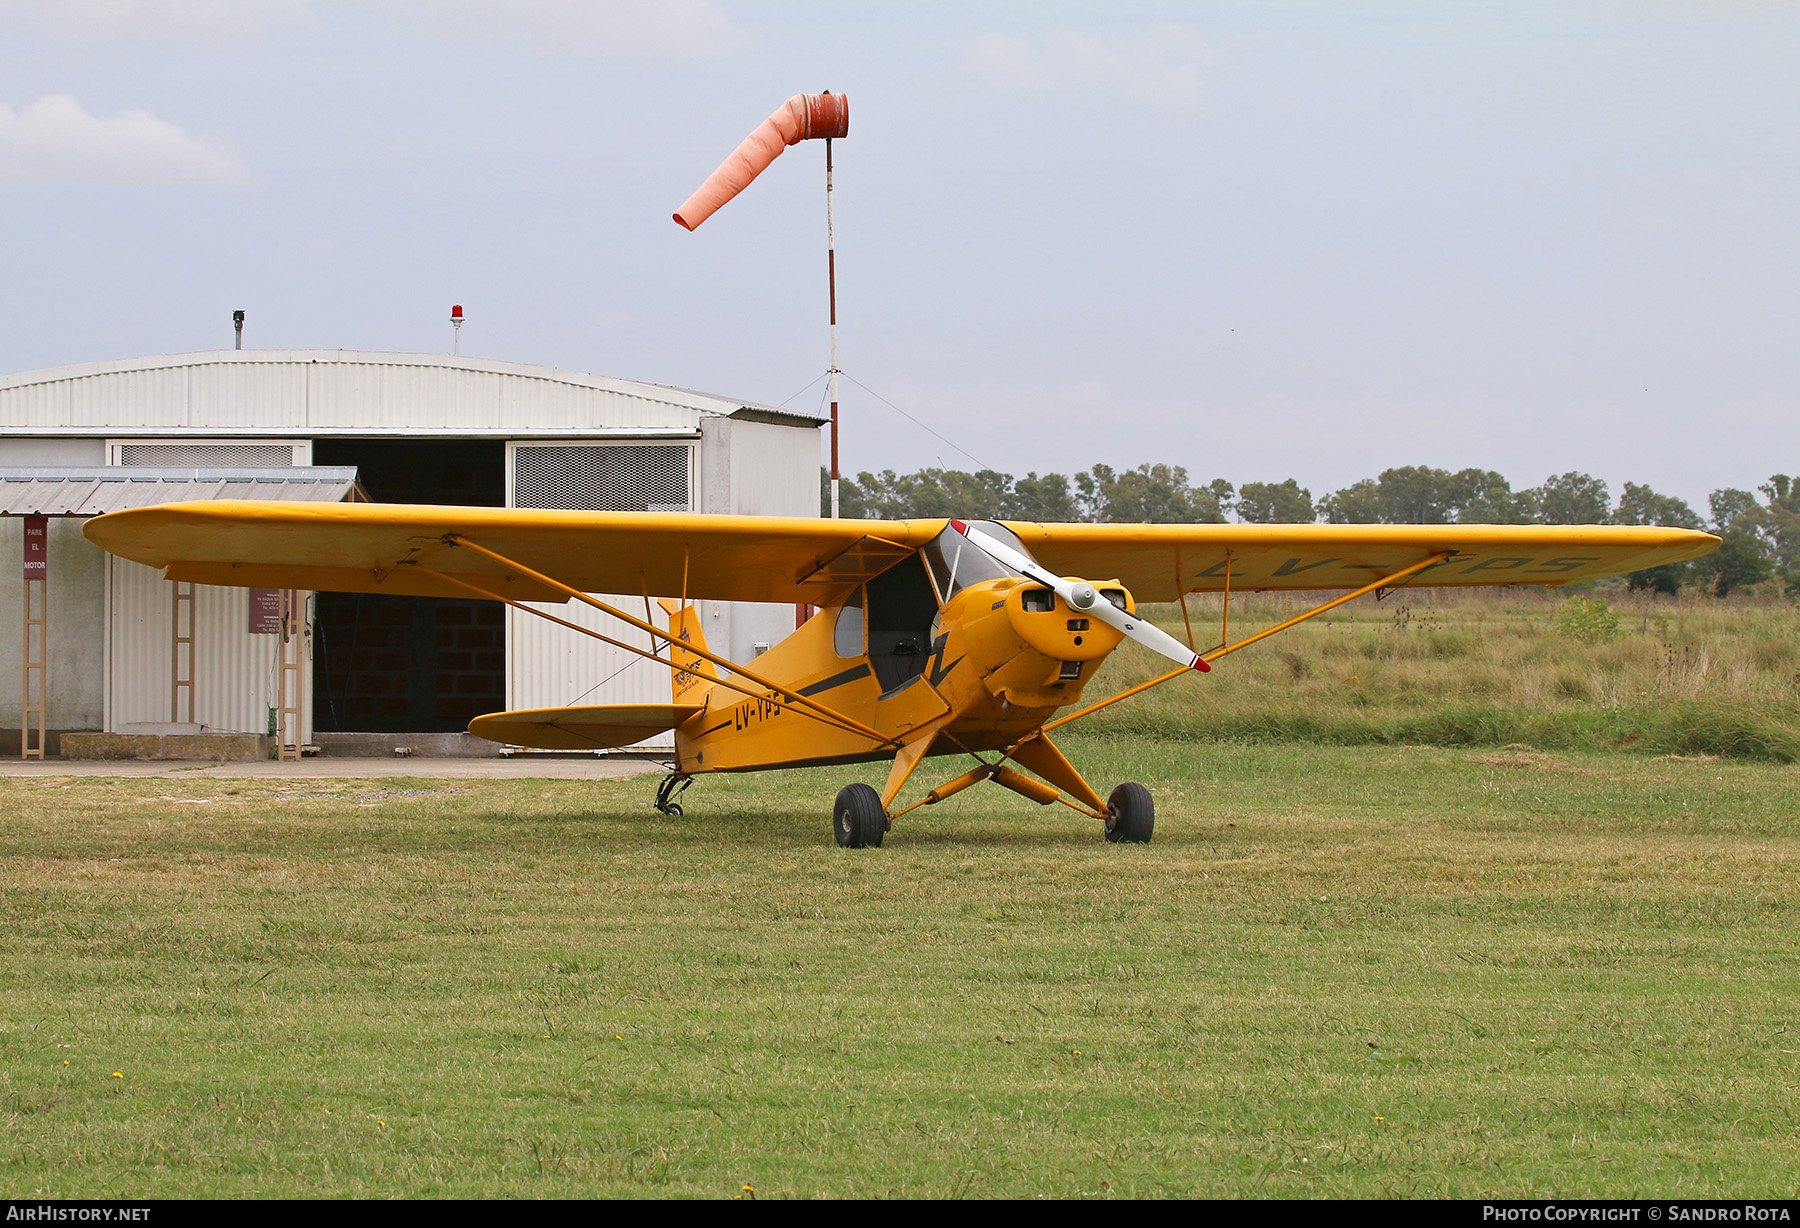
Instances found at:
x=673 y=810
x=1131 y=815
x=858 y=819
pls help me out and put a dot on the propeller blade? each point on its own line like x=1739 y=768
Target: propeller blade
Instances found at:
x=1080 y=595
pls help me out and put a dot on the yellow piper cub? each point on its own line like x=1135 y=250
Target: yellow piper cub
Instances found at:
x=939 y=659
x=933 y=637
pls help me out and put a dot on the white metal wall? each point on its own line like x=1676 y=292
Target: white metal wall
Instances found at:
x=340 y=392
x=755 y=469
x=234 y=671
x=74 y=696
x=552 y=667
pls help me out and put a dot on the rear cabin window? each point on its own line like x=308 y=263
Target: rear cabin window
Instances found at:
x=847 y=634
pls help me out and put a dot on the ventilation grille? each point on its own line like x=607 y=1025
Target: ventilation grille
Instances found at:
x=633 y=478
x=199 y=455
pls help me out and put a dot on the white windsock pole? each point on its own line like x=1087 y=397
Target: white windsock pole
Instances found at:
x=831 y=279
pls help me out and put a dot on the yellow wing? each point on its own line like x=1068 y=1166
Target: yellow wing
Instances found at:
x=383 y=548
x=1159 y=562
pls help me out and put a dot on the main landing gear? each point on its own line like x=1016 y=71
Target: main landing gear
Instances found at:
x=1130 y=815
x=859 y=821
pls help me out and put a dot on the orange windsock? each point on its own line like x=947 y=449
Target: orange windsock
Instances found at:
x=802 y=117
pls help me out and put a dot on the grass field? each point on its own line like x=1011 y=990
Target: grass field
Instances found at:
x=1337 y=971
x=1484 y=668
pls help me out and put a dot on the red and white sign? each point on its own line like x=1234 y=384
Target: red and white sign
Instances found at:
x=37 y=547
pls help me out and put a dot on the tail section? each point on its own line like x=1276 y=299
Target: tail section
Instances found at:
x=692 y=673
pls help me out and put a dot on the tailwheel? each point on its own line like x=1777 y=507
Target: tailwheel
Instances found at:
x=1130 y=815
x=858 y=820
x=673 y=786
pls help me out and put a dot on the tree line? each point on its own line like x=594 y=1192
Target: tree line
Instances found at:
x=1762 y=535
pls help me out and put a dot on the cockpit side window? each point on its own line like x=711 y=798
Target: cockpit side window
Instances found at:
x=956 y=562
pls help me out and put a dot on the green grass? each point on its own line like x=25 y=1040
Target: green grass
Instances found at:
x=1485 y=668
x=1337 y=971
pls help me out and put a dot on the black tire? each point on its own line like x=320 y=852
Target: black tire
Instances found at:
x=858 y=820
x=1131 y=815
x=673 y=810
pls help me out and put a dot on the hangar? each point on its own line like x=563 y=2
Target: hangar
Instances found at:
x=124 y=650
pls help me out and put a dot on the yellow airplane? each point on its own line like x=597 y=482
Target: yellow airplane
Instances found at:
x=932 y=637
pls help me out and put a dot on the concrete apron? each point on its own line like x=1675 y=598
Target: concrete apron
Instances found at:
x=521 y=767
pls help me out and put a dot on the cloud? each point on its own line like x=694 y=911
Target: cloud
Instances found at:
x=667 y=29
x=1160 y=67
x=55 y=141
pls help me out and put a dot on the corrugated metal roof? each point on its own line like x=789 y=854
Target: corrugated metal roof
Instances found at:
x=356 y=393
x=90 y=490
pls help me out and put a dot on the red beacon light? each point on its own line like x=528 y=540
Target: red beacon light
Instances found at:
x=456 y=321
x=456 y=314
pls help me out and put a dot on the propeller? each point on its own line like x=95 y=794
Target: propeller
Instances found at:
x=1082 y=596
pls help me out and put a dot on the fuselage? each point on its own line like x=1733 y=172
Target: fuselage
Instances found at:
x=934 y=637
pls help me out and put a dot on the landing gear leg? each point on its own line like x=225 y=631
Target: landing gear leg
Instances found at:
x=1130 y=815
x=673 y=786
x=858 y=820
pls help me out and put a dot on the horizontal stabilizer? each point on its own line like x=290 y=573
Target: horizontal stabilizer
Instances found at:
x=595 y=728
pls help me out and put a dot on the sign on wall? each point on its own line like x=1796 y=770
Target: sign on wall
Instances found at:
x=37 y=548
x=265 y=611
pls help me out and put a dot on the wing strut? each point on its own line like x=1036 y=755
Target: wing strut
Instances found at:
x=607 y=639
x=1227 y=649
x=796 y=699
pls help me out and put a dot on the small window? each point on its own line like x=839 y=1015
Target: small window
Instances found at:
x=847 y=635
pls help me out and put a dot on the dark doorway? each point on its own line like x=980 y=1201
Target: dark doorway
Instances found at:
x=902 y=608
x=411 y=664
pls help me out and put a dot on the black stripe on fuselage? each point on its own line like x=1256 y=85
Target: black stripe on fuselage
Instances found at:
x=836 y=680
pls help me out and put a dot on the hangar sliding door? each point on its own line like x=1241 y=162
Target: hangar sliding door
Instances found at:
x=231 y=665
x=549 y=666
x=232 y=661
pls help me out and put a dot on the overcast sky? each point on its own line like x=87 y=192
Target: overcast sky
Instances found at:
x=1258 y=240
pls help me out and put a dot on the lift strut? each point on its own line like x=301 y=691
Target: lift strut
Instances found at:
x=1036 y=752
x=797 y=702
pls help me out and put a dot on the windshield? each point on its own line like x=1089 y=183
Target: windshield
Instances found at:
x=956 y=562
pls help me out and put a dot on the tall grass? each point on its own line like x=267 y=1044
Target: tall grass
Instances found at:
x=1688 y=676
